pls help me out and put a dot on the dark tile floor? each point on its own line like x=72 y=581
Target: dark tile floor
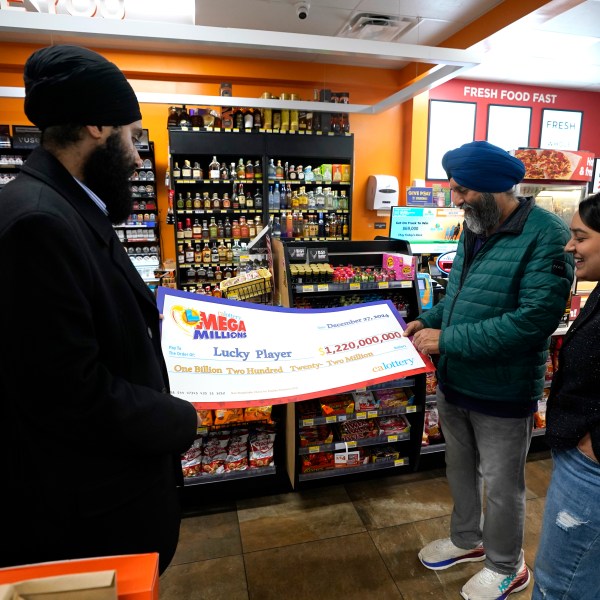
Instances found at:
x=345 y=541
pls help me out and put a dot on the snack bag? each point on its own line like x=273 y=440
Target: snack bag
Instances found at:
x=261 y=449
x=257 y=413
x=191 y=460
x=223 y=416
x=540 y=416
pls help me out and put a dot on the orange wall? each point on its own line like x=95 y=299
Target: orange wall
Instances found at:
x=378 y=139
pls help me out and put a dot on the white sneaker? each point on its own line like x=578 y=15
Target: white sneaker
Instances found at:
x=490 y=585
x=442 y=554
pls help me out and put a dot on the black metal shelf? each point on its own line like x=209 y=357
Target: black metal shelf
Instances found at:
x=377 y=466
x=206 y=478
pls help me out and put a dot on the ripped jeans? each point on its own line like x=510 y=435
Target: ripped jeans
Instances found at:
x=567 y=563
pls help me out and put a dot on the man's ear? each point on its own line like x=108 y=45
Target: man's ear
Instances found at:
x=95 y=131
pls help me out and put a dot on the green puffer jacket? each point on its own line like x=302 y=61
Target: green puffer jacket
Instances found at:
x=502 y=306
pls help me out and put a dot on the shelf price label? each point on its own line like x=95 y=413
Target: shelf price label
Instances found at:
x=372 y=414
x=308 y=288
x=314 y=449
x=392 y=438
x=308 y=422
x=322 y=287
x=332 y=419
x=411 y=409
x=383 y=285
x=399 y=462
x=361 y=415
x=354 y=286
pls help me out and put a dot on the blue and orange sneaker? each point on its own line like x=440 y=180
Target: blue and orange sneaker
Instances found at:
x=442 y=554
x=490 y=585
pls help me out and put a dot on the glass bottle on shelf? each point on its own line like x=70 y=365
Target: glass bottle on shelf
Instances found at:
x=180 y=201
x=244 y=230
x=172 y=118
x=222 y=250
x=229 y=254
x=220 y=229
x=197 y=201
x=258 y=200
x=189 y=203
x=321 y=226
x=189 y=253
x=249 y=200
x=218 y=274
x=271 y=198
x=224 y=172
x=206 y=200
x=197 y=171
x=257 y=170
x=291 y=174
x=257 y=119
x=276 y=197
x=205 y=230
x=251 y=229
x=283 y=199
x=236 y=251
x=176 y=171
x=240 y=170
x=241 y=196
x=212 y=229
x=214 y=169
x=343 y=202
x=238 y=118
x=186 y=170
x=187 y=231
x=180 y=234
x=312 y=201
x=180 y=254
x=345 y=226
x=235 y=230
x=289 y=228
x=214 y=253
x=227 y=228
x=249 y=170
x=197 y=230
x=279 y=170
x=276 y=228
x=198 y=254
x=258 y=222
x=271 y=170
x=201 y=270
x=216 y=201
x=206 y=254
x=226 y=202
x=184 y=117
x=248 y=119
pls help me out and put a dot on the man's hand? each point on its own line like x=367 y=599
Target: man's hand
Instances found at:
x=413 y=327
x=585 y=446
x=427 y=341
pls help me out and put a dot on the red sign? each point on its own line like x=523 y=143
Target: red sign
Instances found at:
x=564 y=165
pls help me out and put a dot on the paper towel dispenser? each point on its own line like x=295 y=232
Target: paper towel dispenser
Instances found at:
x=382 y=192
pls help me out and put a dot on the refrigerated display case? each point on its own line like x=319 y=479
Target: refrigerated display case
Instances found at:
x=557 y=179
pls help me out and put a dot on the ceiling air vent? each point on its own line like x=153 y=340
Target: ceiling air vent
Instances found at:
x=381 y=28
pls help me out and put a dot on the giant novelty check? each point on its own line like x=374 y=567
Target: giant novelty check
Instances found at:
x=223 y=352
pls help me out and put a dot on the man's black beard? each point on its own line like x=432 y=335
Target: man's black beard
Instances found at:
x=107 y=172
x=483 y=215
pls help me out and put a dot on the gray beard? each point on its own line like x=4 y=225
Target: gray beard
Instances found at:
x=484 y=215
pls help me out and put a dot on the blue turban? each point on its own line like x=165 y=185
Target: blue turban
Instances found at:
x=483 y=167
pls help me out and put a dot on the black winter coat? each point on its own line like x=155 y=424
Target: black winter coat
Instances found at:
x=89 y=436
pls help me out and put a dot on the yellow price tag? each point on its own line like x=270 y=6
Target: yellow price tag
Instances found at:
x=314 y=449
x=372 y=414
x=355 y=286
x=308 y=422
x=332 y=419
x=307 y=288
x=411 y=409
x=352 y=444
x=383 y=285
x=399 y=462
x=392 y=438
x=323 y=287
x=361 y=415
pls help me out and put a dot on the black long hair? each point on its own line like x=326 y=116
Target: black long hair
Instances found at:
x=589 y=211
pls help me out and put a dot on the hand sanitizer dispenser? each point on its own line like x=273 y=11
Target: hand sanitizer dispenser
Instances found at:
x=382 y=192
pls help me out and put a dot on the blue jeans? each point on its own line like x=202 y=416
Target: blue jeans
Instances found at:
x=567 y=563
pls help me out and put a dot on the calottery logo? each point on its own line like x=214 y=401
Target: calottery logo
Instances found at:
x=204 y=326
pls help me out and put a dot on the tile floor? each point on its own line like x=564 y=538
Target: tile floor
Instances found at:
x=353 y=541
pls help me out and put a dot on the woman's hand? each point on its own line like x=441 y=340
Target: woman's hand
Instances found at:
x=585 y=446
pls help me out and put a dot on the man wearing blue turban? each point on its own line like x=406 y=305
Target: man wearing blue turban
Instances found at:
x=505 y=296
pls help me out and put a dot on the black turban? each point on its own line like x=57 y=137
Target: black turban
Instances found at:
x=69 y=84
x=483 y=167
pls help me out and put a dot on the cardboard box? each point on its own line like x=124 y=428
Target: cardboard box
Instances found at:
x=403 y=265
x=100 y=585
x=137 y=574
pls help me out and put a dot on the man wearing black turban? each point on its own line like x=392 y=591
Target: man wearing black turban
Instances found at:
x=90 y=438
x=506 y=294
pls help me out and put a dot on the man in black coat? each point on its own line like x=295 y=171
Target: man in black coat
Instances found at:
x=90 y=437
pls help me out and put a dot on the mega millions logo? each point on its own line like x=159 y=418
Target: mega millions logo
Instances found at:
x=204 y=326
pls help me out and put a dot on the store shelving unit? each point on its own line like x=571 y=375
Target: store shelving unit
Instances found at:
x=259 y=147
x=140 y=234
x=404 y=294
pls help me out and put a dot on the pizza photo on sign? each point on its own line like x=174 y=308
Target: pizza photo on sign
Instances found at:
x=548 y=164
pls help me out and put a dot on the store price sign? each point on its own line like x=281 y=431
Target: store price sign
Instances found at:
x=227 y=353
